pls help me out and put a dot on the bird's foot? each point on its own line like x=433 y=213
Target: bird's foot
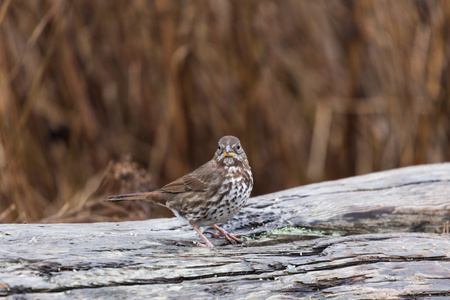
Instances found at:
x=232 y=238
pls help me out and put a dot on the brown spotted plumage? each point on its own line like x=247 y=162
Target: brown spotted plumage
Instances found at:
x=210 y=194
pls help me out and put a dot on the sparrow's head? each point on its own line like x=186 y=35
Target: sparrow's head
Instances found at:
x=230 y=151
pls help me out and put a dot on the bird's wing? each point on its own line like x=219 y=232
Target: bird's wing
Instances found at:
x=185 y=184
x=198 y=181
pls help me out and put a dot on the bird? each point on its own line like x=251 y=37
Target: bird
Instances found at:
x=210 y=194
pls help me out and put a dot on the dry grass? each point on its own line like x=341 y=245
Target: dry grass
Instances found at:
x=315 y=90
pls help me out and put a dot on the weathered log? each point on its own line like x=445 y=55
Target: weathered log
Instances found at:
x=157 y=258
x=412 y=199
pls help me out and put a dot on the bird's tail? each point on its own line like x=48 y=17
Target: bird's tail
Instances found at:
x=155 y=197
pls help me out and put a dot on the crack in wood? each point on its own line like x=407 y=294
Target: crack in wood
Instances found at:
x=414 y=295
x=323 y=284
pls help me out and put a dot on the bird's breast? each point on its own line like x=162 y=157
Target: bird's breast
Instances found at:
x=224 y=198
x=230 y=197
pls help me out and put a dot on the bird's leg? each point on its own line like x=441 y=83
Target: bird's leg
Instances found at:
x=230 y=237
x=207 y=244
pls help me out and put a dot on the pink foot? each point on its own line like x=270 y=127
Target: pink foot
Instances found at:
x=232 y=238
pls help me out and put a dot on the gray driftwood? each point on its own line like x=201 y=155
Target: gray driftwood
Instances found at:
x=390 y=246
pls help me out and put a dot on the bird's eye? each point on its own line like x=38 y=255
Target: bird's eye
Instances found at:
x=219 y=148
x=238 y=147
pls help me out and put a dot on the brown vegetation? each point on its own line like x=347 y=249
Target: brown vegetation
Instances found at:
x=315 y=90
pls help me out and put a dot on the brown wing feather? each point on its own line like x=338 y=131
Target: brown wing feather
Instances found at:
x=195 y=184
x=184 y=184
x=176 y=186
x=198 y=181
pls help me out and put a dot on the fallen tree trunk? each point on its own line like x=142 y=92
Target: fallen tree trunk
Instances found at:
x=370 y=236
x=412 y=199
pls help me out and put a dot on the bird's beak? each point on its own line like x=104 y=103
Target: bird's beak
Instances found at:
x=228 y=151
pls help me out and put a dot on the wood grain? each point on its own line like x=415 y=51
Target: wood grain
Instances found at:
x=388 y=248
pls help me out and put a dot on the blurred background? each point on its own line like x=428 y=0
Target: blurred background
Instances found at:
x=105 y=97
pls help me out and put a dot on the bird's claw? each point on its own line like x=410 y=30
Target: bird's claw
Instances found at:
x=232 y=238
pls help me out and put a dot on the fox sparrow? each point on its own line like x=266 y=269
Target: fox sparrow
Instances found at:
x=210 y=194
